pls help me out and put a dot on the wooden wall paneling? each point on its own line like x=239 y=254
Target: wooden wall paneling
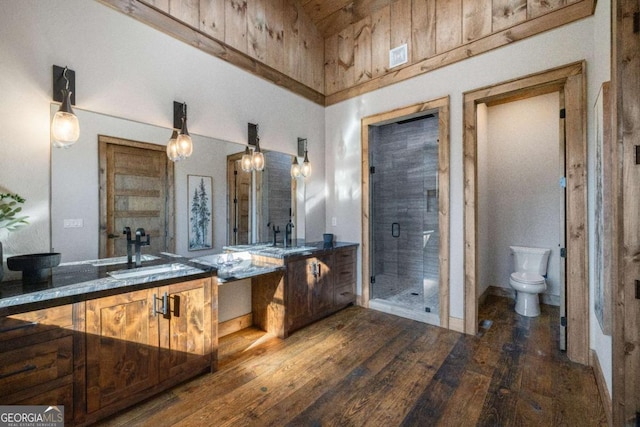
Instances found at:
x=257 y=30
x=212 y=18
x=476 y=19
x=423 y=27
x=187 y=11
x=311 y=48
x=235 y=27
x=346 y=71
x=400 y=29
x=275 y=35
x=331 y=64
x=626 y=320
x=337 y=21
x=507 y=13
x=362 y=50
x=573 y=12
x=540 y=7
x=576 y=206
x=290 y=22
x=163 y=5
x=380 y=42
x=448 y=24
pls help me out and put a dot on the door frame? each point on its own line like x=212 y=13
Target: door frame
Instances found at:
x=441 y=106
x=570 y=81
x=103 y=140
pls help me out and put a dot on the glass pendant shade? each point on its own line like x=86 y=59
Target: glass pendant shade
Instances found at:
x=306 y=166
x=183 y=142
x=65 y=127
x=295 y=168
x=246 y=163
x=172 y=147
x=257 y=160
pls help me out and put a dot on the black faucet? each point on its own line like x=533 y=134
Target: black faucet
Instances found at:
x=130 y=243
x=139 y=243
x=276 y=230
x=288 y=231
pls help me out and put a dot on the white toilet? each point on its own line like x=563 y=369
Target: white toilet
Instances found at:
x=528 y=279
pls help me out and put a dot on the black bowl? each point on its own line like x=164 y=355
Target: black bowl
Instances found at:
x=34 y=267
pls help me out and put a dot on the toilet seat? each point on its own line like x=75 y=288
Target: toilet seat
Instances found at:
x=527 y=278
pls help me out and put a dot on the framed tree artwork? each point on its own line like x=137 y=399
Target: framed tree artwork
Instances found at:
x=200 y=212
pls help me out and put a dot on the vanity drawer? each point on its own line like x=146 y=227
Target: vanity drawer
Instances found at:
x=345 y=257
x=344 y=295
x=62 y=395
x=35 y=364
x=345 y=274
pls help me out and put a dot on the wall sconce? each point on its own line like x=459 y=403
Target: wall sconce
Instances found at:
x=180 y=145
x=252 y=160
x=65 y=128
x=304 y=169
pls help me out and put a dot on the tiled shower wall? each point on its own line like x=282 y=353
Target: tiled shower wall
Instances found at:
x=405 y=191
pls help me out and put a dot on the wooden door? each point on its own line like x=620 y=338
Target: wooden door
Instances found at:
x=239 y=204
x=299 y=293
x=185 y=332
x=136 y=190
x=122 y=348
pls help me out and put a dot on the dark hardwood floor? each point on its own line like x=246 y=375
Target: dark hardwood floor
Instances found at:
x=362 y=367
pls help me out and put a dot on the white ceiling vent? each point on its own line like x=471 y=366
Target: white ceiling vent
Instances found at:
x=398 y=56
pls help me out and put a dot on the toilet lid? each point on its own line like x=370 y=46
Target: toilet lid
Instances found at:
x=528 y=278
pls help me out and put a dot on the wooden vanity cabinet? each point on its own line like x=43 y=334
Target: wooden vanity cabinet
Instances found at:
x=37 y=359
x=139 y=343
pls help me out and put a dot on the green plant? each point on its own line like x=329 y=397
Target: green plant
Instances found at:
x=9 y=210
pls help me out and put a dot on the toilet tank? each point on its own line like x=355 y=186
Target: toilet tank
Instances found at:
x=530 y=260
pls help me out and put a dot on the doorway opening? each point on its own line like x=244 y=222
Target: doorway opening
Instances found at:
x=568 y=81
x=405 y=221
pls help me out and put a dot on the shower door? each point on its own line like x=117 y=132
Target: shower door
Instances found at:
x=404 y=255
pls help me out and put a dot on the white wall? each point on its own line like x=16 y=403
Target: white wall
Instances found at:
x=582 y=40
x=519 y=196
x=127 y=69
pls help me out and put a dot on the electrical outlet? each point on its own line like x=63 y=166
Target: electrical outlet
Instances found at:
x=73 y=223
x=334 y=221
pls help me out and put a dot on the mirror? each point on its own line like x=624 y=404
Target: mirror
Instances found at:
x=75 y=224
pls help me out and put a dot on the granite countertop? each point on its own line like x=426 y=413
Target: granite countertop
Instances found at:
x=299 y=248
x=80 y=281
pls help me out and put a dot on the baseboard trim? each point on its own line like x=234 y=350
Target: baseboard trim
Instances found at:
x=234 y=325
x=594 y=362
x=456 y=324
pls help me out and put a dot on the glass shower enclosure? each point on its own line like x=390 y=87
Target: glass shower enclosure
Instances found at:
x=404 y=254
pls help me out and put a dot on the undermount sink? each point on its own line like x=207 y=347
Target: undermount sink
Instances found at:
x=149 y=271
x=119 y=260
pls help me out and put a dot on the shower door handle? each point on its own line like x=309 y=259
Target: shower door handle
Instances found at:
x=395 y=229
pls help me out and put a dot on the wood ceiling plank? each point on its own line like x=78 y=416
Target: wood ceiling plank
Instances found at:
x=235 y=29
x=423 y=22
x=212 y=18
x=507 y=13
x=448 y=24
x=476 y=19
x=381 y=39
x=362 y=50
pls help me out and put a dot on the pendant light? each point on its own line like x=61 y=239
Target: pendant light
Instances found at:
x=305 y=168
x=172 y=147
x=183 y=142
x=295 y=168
x=246 y=163
x=180 y=145
x=65 y=128
x=252 y=160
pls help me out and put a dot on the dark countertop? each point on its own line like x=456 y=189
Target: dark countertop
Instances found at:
x=298 y=250
x=81 y=281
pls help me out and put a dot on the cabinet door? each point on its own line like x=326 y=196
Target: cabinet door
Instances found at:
x=322 y=280
x=299 y=293
x=185 y=332
x=122 y=347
